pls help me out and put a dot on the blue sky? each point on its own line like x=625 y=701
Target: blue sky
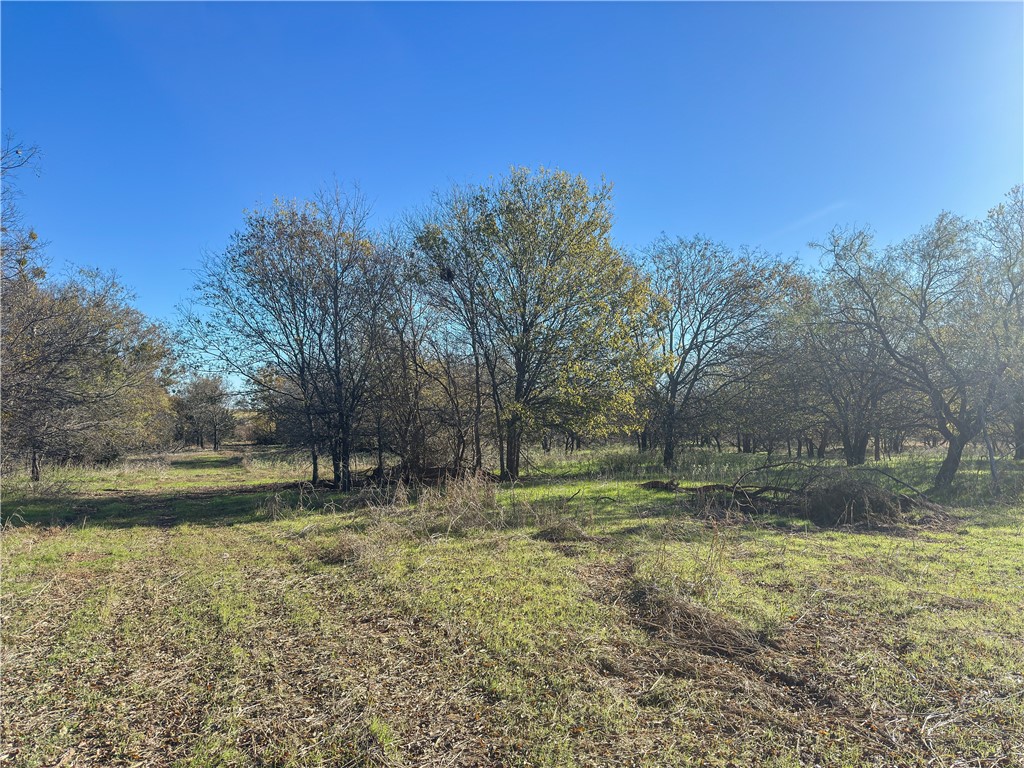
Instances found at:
x=761 y=124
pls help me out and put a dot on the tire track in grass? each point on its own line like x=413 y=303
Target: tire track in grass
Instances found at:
x=200 y=652
x=411 y=698
x=551 y=706
x=57 y=661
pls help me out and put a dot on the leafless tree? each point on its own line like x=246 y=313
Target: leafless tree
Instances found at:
x=715 y=308
x=939 y=317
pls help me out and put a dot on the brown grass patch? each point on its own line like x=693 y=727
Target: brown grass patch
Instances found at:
x=682 y=621
x=564 y=531
x=343 y=549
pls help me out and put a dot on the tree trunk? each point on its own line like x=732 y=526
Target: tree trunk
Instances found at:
x=312 y=444
x=35 y=466
x=669 y=457
x=478 y=408
x=380 y=446
x=991 y=456
x=336 y=464
x=513 y=445
x=346 y=463
x=951 y=463
x=502 y=469
x=855 y=448
x=1018 y=438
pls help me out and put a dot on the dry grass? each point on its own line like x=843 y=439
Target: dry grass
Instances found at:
x=564 y=531
x=462 y=626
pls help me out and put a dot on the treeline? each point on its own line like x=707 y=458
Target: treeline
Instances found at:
x=83 y=375
x=504 y=317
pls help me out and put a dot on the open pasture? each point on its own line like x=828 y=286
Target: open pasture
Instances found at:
x=203 y=609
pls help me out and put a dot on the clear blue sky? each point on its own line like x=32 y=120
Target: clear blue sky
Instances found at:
x=762 y=124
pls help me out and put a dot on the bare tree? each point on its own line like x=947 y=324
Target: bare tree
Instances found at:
x=352 y=283
x=255 y=316
x=293 y=304
x=1002 y=233
x=715 y=309
x=849 y=374
x=940 y=318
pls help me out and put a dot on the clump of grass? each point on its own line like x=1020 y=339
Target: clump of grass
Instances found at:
x=284 y=463
x=627 y=464
x=699 y=574
x=344 y=548
x=275 y=506
x=58 y=481
x=154 y=468
x=385 y=500
x=458 y=506
x=564 y=531
x=284 y=504
x=680 y=620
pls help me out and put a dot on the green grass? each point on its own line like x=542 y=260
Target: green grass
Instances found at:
x=200 y=610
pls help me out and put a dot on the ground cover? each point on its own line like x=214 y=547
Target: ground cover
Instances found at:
x=204 y=610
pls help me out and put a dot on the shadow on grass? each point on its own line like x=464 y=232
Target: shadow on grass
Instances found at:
x=535 y=501
x=970 y=504
x=207 y=462
x=211 y=508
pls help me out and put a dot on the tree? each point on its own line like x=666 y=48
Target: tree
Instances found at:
x=1002 y=234
x=204 y=411
x=527 y=270
x=939 y=312
x=352 y=284
x=82 y=369
x=255 y=316
x=454 y=247
x=293 y=304
x=848 y=373
x=715 y=309
x=84 y=374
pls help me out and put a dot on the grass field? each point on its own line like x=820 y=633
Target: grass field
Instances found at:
x=200 y=610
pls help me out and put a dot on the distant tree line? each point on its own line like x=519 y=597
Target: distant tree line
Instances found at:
x=505 y=317
x=83 y=375
x=504 y=320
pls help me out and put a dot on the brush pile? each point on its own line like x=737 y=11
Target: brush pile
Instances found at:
x=829 y=497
